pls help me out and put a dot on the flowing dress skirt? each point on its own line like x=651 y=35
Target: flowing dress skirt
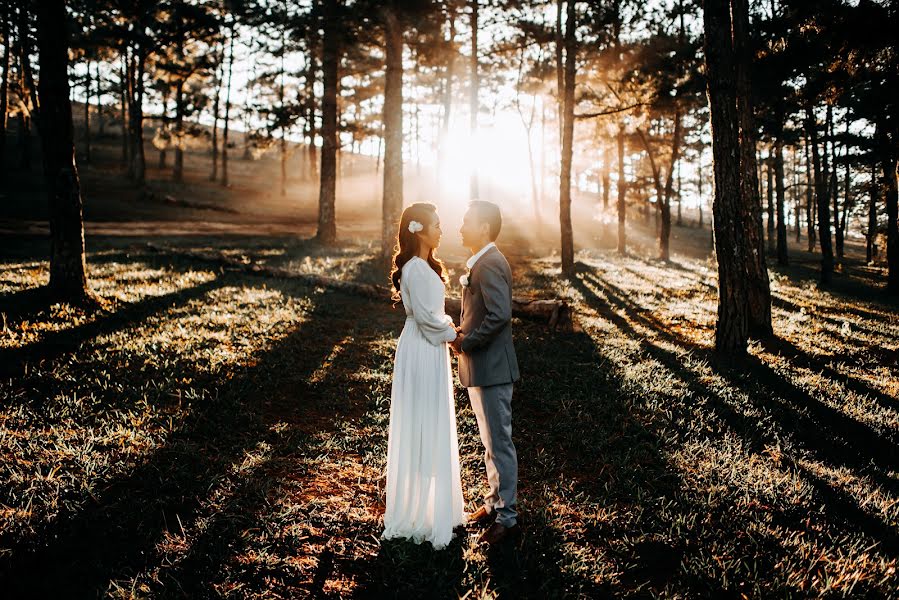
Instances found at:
x=424 y=487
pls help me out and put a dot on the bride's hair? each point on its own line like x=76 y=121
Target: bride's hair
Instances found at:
x=408 y=244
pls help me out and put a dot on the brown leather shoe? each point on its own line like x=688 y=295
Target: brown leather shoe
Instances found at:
x=481 y=517
x=498 y=533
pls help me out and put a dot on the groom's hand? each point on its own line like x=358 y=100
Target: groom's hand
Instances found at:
x=456 y=344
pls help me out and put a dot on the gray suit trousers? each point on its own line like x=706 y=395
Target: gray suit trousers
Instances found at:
x=492 y=406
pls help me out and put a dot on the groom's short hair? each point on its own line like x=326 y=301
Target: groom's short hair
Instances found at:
x=489 y=213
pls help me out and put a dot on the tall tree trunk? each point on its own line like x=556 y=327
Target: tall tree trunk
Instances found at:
x=327 y=224
x=560 y=66
x=759 y=287
x=889 y=173
x=543 y=150
x=699 y=188
x=567 y=240
x=227 y=125
x=311 y=128
x=137 y=120
x=283 y=141
x=665 y=229
x=123 y=71
x=606 y=175
x=833 y=185
x=841 y=218
x=68 y=271
x=474 y=105
x=769 y=191
x=871 y=234
x=797 y=196
x=87 y=114
x=447 y=94
x=622 y=191
x=214 y=174
x=101 y=120
x=178 y=169
x=891 y=192
x=782 y=255
x=731 y=245
x=4 y=82
x=393 y=132
x=680 y=217
x=165 y=117
x=810 y=187
x=822 y=197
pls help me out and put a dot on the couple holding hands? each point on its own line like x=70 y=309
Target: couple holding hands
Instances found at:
x=424 y=488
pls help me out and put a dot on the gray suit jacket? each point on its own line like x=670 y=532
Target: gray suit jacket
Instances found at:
x=488 y=356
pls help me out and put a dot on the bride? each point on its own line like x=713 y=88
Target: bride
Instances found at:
x=424 y=487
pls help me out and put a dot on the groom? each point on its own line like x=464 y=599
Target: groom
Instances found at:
x=487 y=364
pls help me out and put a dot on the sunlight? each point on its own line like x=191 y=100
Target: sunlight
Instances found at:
x=498 y=151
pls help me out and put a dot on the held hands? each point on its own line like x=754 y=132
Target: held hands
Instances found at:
x=456 y=344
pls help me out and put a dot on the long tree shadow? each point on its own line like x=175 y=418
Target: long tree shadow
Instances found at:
x=846 y=441
x=339 y=401
x=56 y=343
x=573 y=429
x=566 y=422
x=858 y=437
x=115 y=535
x=779 y=300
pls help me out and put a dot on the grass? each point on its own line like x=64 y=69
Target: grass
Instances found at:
x=217 y=434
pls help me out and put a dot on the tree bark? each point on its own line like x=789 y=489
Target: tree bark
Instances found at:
x=165 y=116
x=769 y=191
x=567 y=240
x=283 y=128
x=834 y=187
x=123 y=74
x=871 y=234
x=622 y=191
x=4 y=82
x=891 y=193
x=178 y=169
x=214 y=174
x=87 y=114
x=137 y=162
x=758 y=285
x=665 y=230
x=68 y=279
x=311 y=129
x=731 y=247
x=606 y=178
x=822 y=197
x=810 y=187
x=327 y=224
x=782 y=254
x=393 y=132
x=474 y=105
x=28 y=96
x=227 y=126
x=447 y=94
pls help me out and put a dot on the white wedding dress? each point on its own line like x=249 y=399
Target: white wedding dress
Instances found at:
x=424 y=485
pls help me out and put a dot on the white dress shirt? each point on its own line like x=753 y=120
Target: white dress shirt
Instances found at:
x=471 y=261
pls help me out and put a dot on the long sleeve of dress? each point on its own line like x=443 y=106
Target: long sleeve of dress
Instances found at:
x=427 y=304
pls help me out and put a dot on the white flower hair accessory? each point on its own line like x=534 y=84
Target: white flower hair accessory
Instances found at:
x=415 y=226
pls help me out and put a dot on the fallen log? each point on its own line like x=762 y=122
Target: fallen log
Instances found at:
x=555 y=313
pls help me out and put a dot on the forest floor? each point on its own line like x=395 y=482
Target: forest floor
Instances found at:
x=214 y=433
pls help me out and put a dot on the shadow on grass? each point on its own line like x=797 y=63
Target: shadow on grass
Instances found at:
x=115 y=535
x=56 y=343
x=833 y=437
